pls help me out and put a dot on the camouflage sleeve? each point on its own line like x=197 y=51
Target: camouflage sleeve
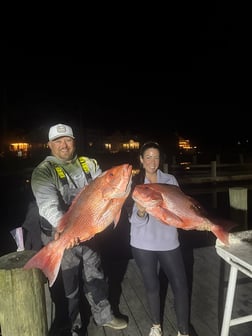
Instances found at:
x=46 y=189
x=94 y=168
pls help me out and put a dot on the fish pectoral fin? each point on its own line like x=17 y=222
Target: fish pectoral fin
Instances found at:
x=167 y=216
x=149 y=203
x=104 y=218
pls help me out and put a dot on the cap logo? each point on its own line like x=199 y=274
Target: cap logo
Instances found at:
x=61 y=129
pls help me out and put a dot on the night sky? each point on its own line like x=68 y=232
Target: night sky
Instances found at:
x=192 y=84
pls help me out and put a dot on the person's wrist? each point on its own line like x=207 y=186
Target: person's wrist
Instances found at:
x=140 y=213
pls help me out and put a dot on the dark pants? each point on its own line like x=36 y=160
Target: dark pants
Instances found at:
x=172 y=265
x=82 y=275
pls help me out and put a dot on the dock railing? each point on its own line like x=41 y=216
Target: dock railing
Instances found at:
x=210 y=173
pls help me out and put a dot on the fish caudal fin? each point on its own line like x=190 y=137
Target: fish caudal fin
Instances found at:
x=48 y=259
x=221 y=234
x=221 y=229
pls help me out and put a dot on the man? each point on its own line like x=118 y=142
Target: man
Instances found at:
x=55 y=182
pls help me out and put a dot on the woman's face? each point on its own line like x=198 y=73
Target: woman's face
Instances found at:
x=150 y=160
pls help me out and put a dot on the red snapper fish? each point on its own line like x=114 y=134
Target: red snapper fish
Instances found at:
x=172 y=206
x=97 y=206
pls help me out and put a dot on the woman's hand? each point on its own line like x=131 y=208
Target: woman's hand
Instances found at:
x=141 y=211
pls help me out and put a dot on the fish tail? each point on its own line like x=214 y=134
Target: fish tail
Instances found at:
x=48 y=259
x=221 y=229
x=221 y=234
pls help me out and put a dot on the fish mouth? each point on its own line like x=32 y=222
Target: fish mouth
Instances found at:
x=127 y=175
x=128 y=187
x=128 y=168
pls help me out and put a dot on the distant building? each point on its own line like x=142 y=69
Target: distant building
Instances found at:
x=121 y=143
x=186 y=145
x=93 y=140
x=20 y=149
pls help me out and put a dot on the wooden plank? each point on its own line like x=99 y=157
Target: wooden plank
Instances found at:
x=135 y=297
x=169 y=319
x=205 y=298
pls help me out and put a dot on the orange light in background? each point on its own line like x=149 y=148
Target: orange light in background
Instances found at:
x=20 y=148
x=24 y=146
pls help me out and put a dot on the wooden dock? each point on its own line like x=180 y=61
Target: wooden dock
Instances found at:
x=210 y=274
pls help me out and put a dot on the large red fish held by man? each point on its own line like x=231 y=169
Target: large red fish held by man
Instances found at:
x=97 y=206
x=172 y=206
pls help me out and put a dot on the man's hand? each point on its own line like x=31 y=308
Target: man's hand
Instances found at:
x=57 y=235
x=73 y=242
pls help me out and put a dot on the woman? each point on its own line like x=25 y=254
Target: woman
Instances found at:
x=155 y=245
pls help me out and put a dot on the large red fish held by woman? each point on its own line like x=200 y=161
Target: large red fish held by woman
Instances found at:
x=97 y=206
x=172 y=206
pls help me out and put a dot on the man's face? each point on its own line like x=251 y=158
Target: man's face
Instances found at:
x=62 y=148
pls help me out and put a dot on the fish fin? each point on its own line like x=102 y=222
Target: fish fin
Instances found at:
x=107 y=214
x=221 y=234
x=166 y=216
x=221 y=229
x=48 y=260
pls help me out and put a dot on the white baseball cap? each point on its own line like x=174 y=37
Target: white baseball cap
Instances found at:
x=60 y=130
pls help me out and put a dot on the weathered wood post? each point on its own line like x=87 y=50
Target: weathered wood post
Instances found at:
x=22 y=297
x=213 y=169
x=238 y=200
x=215 y=199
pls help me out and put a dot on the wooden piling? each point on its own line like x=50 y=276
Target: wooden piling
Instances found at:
x=22 y=297
x=213 y=169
